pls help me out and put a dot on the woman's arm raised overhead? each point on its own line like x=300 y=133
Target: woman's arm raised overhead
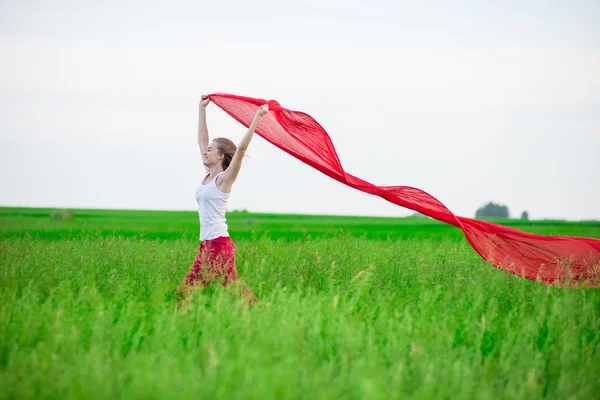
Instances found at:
x=229 y=176
x=202 y=128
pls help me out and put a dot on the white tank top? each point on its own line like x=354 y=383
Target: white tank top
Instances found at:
x=212 y=204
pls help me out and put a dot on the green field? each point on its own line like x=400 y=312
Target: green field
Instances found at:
x=350 y=308
x=37 y=222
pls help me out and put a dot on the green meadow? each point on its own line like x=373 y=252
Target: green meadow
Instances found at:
x=350 y=308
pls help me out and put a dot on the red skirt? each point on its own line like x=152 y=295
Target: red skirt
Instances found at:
x=216 y=260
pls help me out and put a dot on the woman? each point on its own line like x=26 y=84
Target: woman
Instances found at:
x=222 y=161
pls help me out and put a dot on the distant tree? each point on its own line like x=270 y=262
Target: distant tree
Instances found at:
x=525 y=215
x=491 y=210
x=61 y=214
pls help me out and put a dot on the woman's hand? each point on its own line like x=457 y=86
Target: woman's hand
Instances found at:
x=204 y=101
x=262 y=110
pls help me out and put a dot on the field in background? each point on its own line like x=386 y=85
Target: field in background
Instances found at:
x=244 y=225
x=350 y=307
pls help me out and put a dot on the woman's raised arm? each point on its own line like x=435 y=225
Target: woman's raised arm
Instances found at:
x=202 y=128
x=231 y=173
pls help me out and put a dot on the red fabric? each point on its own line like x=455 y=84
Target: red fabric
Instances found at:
x=216 y=259
x=548 y=259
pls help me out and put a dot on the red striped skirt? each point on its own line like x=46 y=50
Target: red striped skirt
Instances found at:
x=216 y=260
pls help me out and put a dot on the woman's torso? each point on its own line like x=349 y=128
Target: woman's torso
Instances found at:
x=212 y=205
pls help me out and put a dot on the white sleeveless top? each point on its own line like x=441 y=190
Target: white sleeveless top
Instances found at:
x=212 y=204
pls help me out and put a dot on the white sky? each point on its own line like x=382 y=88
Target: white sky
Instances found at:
x=470 y=101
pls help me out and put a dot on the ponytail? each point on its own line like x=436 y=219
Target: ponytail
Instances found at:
x=227 y=148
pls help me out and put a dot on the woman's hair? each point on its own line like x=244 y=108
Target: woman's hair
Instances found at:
x=226 y=147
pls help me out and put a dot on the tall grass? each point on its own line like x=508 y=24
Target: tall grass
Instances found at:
x=343 y=317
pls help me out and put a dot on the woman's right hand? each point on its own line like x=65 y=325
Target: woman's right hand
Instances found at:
x=204 y=101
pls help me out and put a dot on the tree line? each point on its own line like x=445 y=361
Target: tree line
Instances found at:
x=493 y=210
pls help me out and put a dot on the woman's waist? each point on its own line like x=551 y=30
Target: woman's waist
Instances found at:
x=213 y=220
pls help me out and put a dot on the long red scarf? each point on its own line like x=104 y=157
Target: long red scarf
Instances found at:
x=548 y=259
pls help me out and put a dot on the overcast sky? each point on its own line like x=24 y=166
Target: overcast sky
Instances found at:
x=471 y=101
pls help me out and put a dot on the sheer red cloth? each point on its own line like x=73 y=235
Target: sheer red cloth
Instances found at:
x=553 y=260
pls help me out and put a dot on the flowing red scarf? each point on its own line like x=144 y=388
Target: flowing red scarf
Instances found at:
x=553 y=260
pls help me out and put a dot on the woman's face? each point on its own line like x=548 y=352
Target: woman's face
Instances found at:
x=211 y=156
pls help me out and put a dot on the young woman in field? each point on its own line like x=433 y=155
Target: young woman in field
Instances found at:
x=222 y=161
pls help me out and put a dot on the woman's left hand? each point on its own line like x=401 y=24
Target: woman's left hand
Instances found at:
x=262 y=110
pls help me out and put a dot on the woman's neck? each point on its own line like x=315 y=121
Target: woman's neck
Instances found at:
x=214 y=170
